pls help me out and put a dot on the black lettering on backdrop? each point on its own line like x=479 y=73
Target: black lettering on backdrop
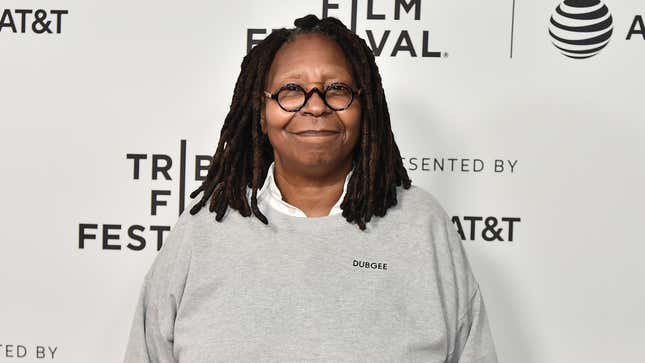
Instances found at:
x=326 y=5
x=251 y=41
x=23 y=18
x=464 y=165
x=136 y=158
x=637 y=27
x=20 y=351
x=404 y=37
x=82 y=236
x=202 y=164
x=398 y=4
x=7 y=21
x=404 y=41
x=489 y=231
x=111 y=234
x=41 y=24
x=107 y=236
x=7 y=351
x=407 y=6
x=40 y=21
x=41 y=353
x=370 y=12
x=377 y=49
x=136 y=237
x=160 y=231
x=160 y=164
x=499 y=165
x=155 y=201
x=472 y=221
x=426 y=44
x=156 y=168
x=353 y=13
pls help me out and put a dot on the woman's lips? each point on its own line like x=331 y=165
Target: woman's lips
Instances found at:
x=317 y=133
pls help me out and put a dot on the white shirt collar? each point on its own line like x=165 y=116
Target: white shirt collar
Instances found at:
x=270 y=194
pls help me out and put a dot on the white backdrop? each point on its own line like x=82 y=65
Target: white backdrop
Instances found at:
x=118 y=78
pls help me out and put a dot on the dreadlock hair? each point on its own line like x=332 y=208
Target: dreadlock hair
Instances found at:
x=244 y=152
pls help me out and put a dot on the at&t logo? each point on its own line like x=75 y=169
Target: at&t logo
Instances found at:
x=581 y=28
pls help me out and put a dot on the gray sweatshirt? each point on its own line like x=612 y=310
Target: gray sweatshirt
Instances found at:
x=313 y=290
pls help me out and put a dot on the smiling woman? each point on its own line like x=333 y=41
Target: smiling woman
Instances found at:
x=291 y=91
x=312 y=133
x=308 y=138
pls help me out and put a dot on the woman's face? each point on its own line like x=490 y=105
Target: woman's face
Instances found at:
x=311 y=60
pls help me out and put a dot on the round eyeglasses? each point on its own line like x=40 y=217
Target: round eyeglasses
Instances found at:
x=291 y=97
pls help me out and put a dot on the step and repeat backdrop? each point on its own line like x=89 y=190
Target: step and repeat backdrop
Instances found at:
x=524 y=118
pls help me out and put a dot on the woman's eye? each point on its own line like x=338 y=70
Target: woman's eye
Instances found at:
x=337 y=86
x=291 y=86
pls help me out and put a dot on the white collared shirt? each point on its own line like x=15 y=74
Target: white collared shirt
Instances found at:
x=270 y=195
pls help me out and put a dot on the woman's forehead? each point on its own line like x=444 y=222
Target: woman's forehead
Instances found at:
x=310 y=56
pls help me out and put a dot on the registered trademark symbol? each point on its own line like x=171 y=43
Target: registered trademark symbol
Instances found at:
x=445 y=54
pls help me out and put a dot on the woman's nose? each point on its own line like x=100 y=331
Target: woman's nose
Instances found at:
x=315 y=105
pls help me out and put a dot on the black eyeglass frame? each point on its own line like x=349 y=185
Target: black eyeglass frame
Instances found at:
x=322 y=94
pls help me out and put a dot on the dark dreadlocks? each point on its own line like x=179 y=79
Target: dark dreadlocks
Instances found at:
x=244 y=153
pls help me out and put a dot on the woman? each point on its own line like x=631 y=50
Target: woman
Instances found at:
x=286 y=278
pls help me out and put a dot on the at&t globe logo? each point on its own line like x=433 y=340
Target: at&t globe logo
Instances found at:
x=581 y=28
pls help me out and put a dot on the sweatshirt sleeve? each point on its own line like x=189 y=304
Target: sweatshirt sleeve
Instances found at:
x=474 y=343
x=146 y=343
x=152 y=330
x=472 y=340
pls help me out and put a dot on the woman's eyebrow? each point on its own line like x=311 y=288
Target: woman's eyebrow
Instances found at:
x=336 y=73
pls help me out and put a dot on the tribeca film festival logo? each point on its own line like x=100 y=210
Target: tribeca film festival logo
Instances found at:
x=37 y=21
x=136 y=237
x=389 y=42
x=580 y=29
